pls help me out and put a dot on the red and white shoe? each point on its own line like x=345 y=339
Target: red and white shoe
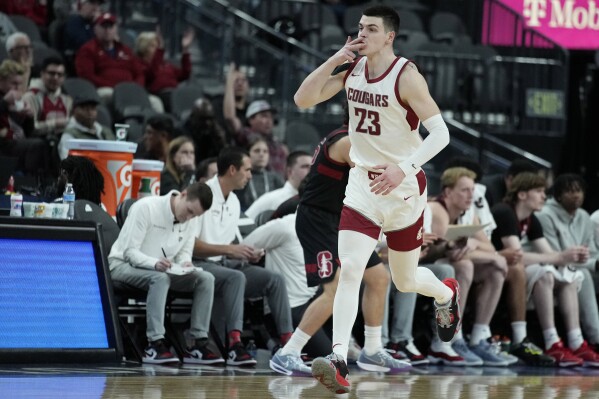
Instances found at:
x=443 y=353
x=587 y=354
x=332 y=372
x=563 y=356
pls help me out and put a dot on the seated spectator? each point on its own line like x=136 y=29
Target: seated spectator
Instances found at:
x=480 y=206
x=51 y=107
x=158 y=133
x=260 y=122
x=235 y=100
x=157 y=236
x=298 y=166
x=160 y=74
x=87 y=180
x=35 y=10
x=84 y=124
x=236 y=279
x=79 y=27
x=203 y=127
x=179 y=168
x=20 y=50
x=105 y=61
x=548 y=273
x=262 y=181
x=565 y=224
x=16 y=122
x=475 y=262
x=206 y=169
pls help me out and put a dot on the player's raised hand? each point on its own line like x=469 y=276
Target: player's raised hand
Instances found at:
x=388 y=180
x=346 y=53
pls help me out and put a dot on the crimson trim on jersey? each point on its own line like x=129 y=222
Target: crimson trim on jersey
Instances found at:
x=326 y=146
x=375 y=80
x=350 y=69
x=411 y=116
x=329 y=172
x=408 y=238
x=355 y=221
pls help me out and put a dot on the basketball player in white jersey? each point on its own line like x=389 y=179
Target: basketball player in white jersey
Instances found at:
x=387 y=98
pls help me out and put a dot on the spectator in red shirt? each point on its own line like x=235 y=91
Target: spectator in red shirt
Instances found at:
x=160 y=74
x=35 y=10
x=105 y=61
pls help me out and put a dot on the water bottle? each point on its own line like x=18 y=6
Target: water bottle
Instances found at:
x=16 y=204
x=251 y=348
x=68 y=197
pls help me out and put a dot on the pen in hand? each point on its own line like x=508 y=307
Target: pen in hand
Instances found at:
x=163 y=264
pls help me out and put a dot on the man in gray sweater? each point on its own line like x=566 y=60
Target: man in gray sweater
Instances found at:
x=565 y=225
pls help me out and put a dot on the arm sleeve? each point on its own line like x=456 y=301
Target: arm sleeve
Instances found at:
x=437 y=139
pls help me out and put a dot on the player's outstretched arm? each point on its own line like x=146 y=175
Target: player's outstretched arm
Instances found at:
x=319 y=86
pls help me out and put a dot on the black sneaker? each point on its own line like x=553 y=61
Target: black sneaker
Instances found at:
x=448 y=315
x=531 y=354
x=200 y=353
x=332 y=372
x=158 y=353
x=238 y=356
x=408 y=351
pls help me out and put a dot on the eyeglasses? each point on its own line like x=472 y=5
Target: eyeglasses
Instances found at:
x=21 y=48
x=55 y=73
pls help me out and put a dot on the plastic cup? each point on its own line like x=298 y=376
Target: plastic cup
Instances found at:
x=28 y=209
x=146 y=168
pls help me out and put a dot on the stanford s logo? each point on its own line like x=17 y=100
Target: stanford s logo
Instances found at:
x=419 y=235
x=324 y=261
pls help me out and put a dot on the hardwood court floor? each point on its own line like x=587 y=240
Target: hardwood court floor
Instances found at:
x=132 y=381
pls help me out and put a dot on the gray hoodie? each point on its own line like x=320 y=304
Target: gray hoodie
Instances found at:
x=563 y=230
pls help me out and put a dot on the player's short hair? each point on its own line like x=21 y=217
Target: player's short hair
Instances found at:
x=450 y=176
x=230 y=156
x=202 y=192
x=467 y=163
x=292 y=158
x=523 y=182
x=389 y=15
x=566 y=183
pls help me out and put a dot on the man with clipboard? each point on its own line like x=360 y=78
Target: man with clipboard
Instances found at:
x=475 y=261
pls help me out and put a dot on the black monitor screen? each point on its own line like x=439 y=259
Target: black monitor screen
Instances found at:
x=49 y=295
x=55 y=294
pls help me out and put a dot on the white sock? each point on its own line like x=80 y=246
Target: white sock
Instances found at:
x=296 y=343
x=458 y=335
x=575 y=339
x=479 y=333
x=372 y=339
x=518 y=331
x=551 y=337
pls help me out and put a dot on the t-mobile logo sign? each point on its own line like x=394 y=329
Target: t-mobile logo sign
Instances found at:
x=535 y=10
x=568 y=14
